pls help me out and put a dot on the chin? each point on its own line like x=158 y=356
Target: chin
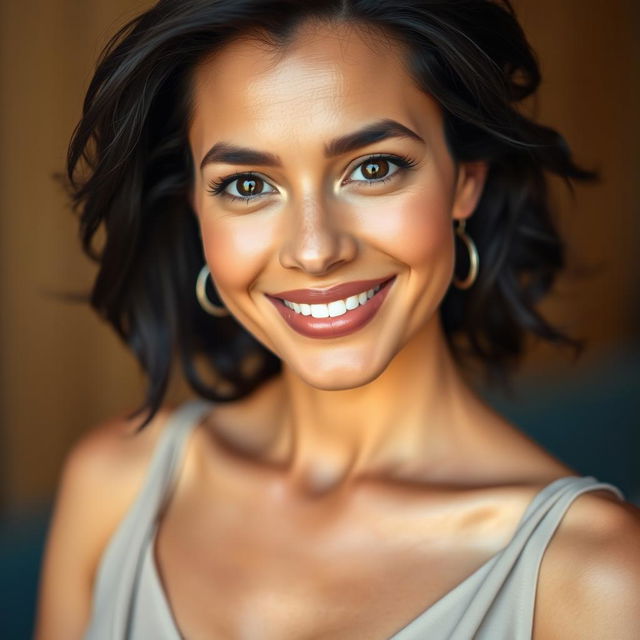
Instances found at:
x=343 y=382
x=333 y=373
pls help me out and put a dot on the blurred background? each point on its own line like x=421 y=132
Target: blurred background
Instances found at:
x=62 y=370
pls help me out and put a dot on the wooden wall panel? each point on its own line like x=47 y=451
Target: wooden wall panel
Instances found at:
x=588 y=51
x=60 y=368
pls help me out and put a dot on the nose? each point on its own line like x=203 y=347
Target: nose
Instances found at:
x=316 y=240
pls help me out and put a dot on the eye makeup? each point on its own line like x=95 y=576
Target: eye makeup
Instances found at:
x=219 y=187
x=402 y=163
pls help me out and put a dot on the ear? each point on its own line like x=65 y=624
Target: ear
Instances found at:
x=469 y=186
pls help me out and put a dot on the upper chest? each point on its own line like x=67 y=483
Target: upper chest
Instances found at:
x=235 y=566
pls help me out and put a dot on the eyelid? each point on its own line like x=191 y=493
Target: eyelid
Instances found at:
x=218 y=187
x=401 y=161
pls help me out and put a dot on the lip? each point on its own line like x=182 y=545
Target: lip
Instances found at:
x=324 y=296
x=339 y=325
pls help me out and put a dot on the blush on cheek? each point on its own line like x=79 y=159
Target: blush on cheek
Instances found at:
x=414 y=230
x=235 y=252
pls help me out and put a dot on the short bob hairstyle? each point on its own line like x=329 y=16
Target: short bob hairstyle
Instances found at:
x=130 y=171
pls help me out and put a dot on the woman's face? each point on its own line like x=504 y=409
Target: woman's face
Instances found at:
x=319 y=165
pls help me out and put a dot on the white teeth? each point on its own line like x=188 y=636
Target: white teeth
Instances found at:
x=335 y=308
x=319 y=310
x=351 y=303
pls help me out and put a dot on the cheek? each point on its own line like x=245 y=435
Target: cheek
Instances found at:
x=414 y=228
x=236 y=250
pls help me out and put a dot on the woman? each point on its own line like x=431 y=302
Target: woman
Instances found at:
x=326 y=211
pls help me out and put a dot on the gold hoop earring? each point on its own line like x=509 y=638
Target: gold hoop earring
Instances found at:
x=474 y=258
x=201 y=293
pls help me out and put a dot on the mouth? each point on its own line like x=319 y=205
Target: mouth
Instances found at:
x=336 y=317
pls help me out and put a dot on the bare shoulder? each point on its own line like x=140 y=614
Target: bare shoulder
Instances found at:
x=104 y=471
x=107 y=465
x=589 y=583
x=101 y=476
x=116 y=445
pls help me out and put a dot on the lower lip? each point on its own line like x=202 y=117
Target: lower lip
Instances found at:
x=333 y=327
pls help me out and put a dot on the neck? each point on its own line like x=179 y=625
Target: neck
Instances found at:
x=399 y=426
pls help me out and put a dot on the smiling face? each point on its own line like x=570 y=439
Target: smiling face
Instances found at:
x=319 y=165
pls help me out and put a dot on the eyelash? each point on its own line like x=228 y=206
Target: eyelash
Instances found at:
x=217 y=187
x=404 y=163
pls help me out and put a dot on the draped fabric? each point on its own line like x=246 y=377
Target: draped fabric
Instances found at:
x=496 y=602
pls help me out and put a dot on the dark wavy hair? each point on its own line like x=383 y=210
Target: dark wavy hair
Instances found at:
x=130 y=171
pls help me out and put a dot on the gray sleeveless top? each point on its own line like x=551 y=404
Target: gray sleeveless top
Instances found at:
x=496 y=602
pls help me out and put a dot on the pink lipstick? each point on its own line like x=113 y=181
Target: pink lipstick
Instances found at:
x=333 y=312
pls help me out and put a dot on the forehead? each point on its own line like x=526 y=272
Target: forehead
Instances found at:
x=328 y=79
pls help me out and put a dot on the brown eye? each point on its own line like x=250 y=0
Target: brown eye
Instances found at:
x=379 y=169
x=250 y=186
x=244 y=186
x=375 y=169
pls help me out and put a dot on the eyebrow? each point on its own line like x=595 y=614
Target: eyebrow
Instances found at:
x=231 y=154
x=375 y=132
x=380 y=130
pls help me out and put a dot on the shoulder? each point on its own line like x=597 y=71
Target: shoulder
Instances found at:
x=105 y=469
x=589 y=582
x=101 y=476
x=115 y=445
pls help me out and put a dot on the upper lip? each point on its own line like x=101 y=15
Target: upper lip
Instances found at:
x=323 y=296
